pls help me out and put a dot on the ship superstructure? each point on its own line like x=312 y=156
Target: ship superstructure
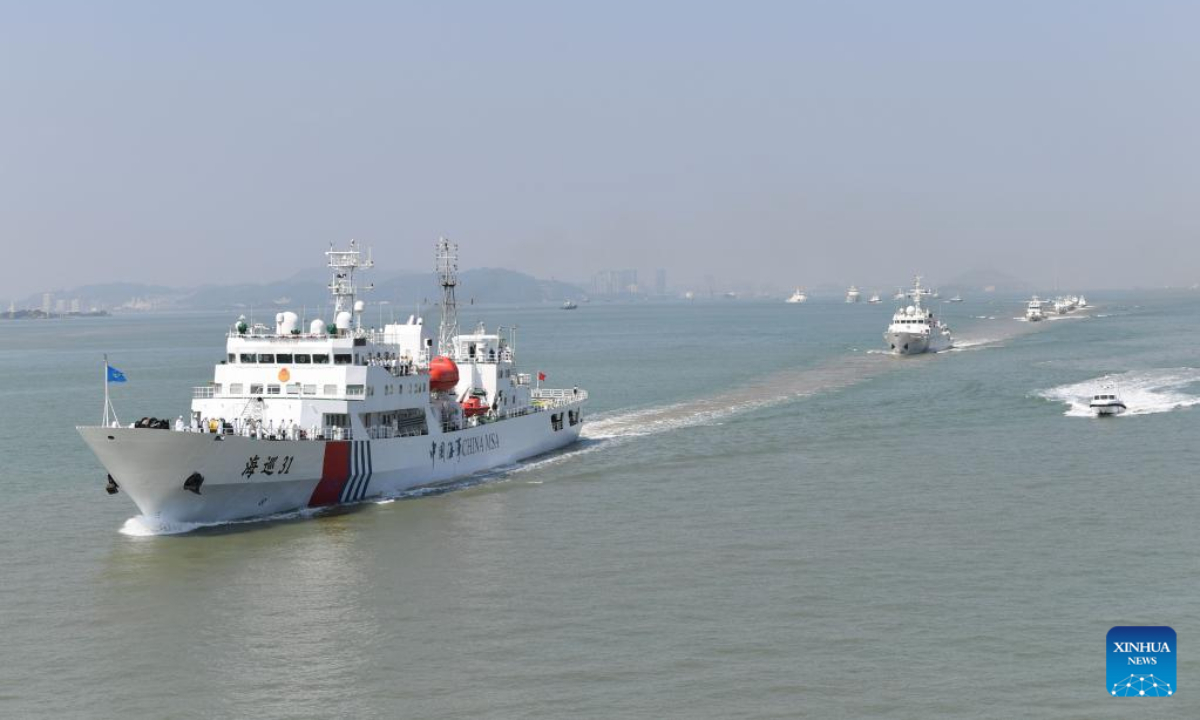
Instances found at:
x=327 y=412
x=1034 y=311
x=798 y=297
x=915 y=329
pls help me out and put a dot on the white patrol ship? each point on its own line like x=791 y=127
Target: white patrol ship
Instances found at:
x=914 y=328
x=307 y=417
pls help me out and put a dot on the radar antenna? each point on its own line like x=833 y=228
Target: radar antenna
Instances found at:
x=447 y=270
x=341 y=285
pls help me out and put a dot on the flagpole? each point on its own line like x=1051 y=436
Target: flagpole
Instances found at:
x=104 y=421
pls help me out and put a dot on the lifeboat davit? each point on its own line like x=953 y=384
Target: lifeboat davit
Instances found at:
x=443 y=374
x=473 y=406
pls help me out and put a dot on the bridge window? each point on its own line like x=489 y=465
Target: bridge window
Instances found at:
x=293 y=389
x=272 y=389
x=232 y=357
x=310 y=389
x=330 y=390
x=303 y=359
x=247 y=358
x=354 y=389
x=235 y=388
x=341 y=359
x=256 y=389
x=266 y=358
x=320 y=359
x=284 y=359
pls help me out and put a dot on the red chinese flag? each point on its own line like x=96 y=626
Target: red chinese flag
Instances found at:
x=541 y=376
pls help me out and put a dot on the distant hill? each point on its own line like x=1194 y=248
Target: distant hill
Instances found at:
x=481 y=285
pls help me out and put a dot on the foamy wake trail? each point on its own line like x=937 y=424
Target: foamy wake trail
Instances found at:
x=142 y=526
x=1144 y=392
x=973 y=343
x=775 y=389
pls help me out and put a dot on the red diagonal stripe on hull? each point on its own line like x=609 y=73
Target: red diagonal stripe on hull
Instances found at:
x=334 y=474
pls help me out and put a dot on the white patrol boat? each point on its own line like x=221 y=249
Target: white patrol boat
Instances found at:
x=307 y=417
x=1107 y=402
x=852 y=295
x=914 y=328
x=798 y=297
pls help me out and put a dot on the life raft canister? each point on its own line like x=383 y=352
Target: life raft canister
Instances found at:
x=474 y=406
x=443 y=374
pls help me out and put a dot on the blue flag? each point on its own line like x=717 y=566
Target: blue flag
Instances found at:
x=115 y=375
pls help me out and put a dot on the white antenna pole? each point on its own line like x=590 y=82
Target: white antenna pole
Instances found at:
x=447 y=269
x=104 y=420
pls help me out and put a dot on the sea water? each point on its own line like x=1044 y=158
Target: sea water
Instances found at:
x=766 y=517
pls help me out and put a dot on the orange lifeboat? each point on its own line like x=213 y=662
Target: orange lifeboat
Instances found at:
x=473 y=406
x=443 y=373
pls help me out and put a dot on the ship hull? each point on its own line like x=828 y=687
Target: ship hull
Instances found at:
x=243 y=478
x=902 y=343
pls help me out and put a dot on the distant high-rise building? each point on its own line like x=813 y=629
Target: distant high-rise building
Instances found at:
x=75 y=305
x=47 y=302
x=615 y=282
x=60 y=306
x=660 y=281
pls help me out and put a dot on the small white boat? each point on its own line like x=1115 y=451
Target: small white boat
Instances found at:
x=798 y=297
x=874 y=299
x=852 y=294
x=569 y=305
x=1107 y=402
x=956 y=298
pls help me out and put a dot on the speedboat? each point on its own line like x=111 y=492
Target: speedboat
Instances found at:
x=798 y=297
x=1107 y=402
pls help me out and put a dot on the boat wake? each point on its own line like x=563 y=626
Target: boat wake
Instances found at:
x=975 y=344
x=775 y=389
x=1144 y=392
x=142 y=526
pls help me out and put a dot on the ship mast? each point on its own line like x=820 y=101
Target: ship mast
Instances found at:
x=343 y=263
x=447 y=270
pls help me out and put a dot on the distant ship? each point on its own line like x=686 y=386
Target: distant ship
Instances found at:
x=1033 y=311
x=956 y=298
x=874 y=299
x=852 y=294
x=569 y=305
x=336 y=413
x=798 y=297
x=915 y=329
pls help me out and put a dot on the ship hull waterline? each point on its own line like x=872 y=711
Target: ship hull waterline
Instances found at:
x=244 y=478
x=903 y=343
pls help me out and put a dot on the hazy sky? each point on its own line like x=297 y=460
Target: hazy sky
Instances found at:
x=794 y=142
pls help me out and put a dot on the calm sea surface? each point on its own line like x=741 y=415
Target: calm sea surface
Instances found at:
x=767 y=518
